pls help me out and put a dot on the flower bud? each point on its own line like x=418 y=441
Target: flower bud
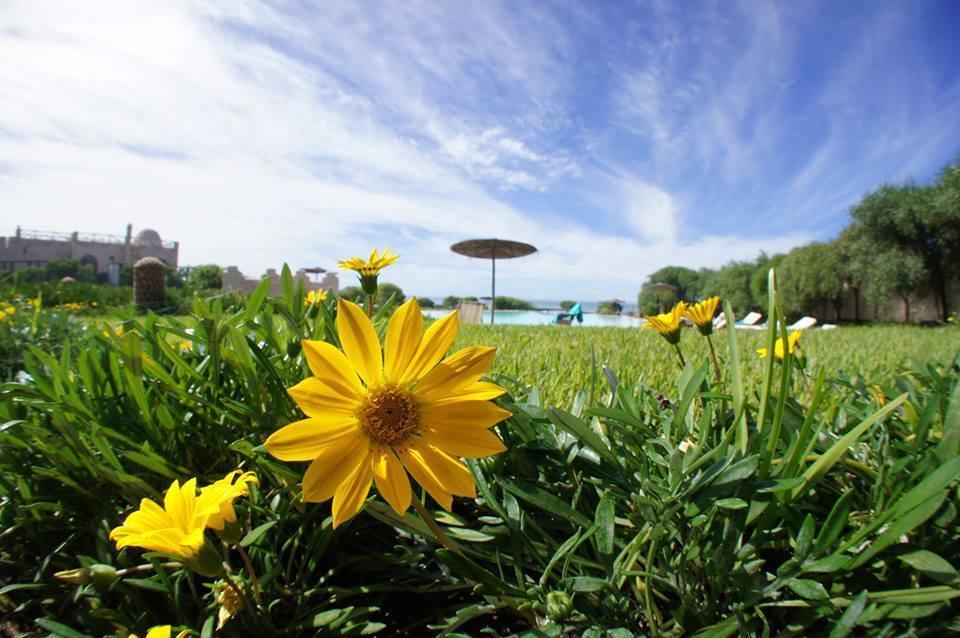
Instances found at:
x=559 y=605
x=207 y=561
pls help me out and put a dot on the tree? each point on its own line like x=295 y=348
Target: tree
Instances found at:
x=686 y=284
x=812 y=278
x=512 y=303
x=895 y=273
x=205 y=277
x=923 y=221
x=610 y=308
x=732 y=282
x=567 y=304
x=352 y=293
x=426 y=302
x=387 y=290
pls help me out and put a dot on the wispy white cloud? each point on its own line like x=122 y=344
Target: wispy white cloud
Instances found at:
x=259 y=133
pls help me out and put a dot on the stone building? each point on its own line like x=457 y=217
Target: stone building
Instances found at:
x=106 y=253
x=235 y=281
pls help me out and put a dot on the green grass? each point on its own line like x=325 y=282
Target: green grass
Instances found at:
x=561 y=360
x=812 y=499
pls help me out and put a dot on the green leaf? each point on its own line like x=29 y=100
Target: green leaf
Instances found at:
x=255 y=300
x=605 y=521
x=828 y=459
x=544 y=500
x=581 y=430
x=849 y=618
x=807 y=588
x=466 y=568
x=59 y=630
x=586 y=583
x=949 y=446
x=256 y=534
x=731 y=504
x=930 y=565
x=836 y=521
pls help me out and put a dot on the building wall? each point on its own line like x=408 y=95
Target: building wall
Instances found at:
x=234 y=281
x=17 y=252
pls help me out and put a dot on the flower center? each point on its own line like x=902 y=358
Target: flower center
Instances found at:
x=389 y=415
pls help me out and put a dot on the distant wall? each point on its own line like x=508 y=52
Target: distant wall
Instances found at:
x=923 y=307
x=236 y=281
x=19 y=252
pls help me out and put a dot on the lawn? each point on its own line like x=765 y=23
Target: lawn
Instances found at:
x=809 y=496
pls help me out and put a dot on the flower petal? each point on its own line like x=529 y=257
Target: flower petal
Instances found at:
x=455 y=372
x=333 y=465
x=435 y=342
x=351 y=494
x=326 y=399
x=391 y=479
x=304 y=440
x=403 y=337
x=452 y=475
x=479 y=391
x=420 y=470
x=360 y=341
x=471 y=443
x=328 y=363
x=462 y=414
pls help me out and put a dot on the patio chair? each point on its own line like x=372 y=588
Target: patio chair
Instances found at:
x=470 y=311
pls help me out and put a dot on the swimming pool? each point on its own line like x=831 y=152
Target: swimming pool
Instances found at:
x=546 y=317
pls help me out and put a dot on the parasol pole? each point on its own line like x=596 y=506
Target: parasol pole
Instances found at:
x=493 y=284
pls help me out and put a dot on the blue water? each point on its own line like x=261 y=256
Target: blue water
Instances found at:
x=542 y=318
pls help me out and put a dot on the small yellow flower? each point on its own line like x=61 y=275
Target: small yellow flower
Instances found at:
x=35 y=302
x=10 y=310
x=175 y=529
x=375 y=415
x=315 y=296
x=701 y=314
x=165 y=631
x=778 y=347
x=116 y=332
x=184 y=346
x=372 y=266
x=668 y=323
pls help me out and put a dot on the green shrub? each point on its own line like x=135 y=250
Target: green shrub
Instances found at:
x=783 y=498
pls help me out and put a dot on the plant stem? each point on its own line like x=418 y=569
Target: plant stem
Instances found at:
x=683 y=362
x=254 y=582
x=369 y=305
x=440 y=535
x=713 y=357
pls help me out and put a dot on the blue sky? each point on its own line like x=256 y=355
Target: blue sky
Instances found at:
x=617 y=137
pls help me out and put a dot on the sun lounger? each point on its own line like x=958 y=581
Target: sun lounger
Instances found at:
x=803 y=323
x=750 y=322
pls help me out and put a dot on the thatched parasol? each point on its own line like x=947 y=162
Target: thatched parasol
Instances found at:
x=493 y=249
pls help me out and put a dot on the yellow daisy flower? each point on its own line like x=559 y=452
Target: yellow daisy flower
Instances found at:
x=372 y=266
x=222 y=493
x=778 y=347
x=10 y=310
x=701 y=314
x=375 y=415
x=315 y=296
x=668 y=323
x=165 y=631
